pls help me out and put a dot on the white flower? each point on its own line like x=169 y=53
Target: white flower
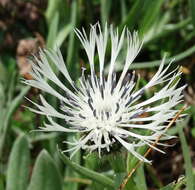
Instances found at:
x=103 y=109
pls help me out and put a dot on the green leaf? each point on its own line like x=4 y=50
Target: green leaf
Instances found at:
x=105 y=9
x=131 y=185
x=186 y=155
x=12 y=84
x=53 y=30
x=97 y=186
x=72 y=43
x=151 y=14
x=18 y=167
x=119 y=177
x=52 y=7
x=163 y=29
x=118 y=162
x=92 y=161
x=1 y=184
x=133 y=15
x=87 y=172
x=140 y=178
x=154 y=178
x=3 y=73
x=9 y=111
x=45 y=174
x=2 y=97
x=193 y=132
x=69 y=172
x=192 y=7
x=62 y=34
x=123 y=10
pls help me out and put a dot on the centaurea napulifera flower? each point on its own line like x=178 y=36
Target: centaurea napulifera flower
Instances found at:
x=103 y=109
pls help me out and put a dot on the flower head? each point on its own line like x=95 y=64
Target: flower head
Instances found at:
x=106 y=110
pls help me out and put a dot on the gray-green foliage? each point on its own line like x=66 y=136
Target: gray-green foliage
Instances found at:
x=19 y=165
x=45 y=174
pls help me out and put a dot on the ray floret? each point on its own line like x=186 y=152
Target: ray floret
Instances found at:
x=101 y=108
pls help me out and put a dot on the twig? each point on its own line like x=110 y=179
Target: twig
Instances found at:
x=122 y=186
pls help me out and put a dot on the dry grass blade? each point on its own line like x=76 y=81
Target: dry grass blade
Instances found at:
x=123 y=184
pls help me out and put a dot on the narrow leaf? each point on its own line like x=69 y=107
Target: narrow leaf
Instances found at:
x=118 y=162
x=1 y=184
x=62 y=34
x=105 y=9
x=18 y=167
x=53 y=30
x=45 y=174
x=52 y=7
x=192 y=7
x=133 y=15
x=9 y=111
x=151 y=14
x=140 y=178
x=186 y=155
x=72 y=44
x=69 y=172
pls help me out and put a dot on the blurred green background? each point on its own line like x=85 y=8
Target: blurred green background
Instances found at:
x=30 y=160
